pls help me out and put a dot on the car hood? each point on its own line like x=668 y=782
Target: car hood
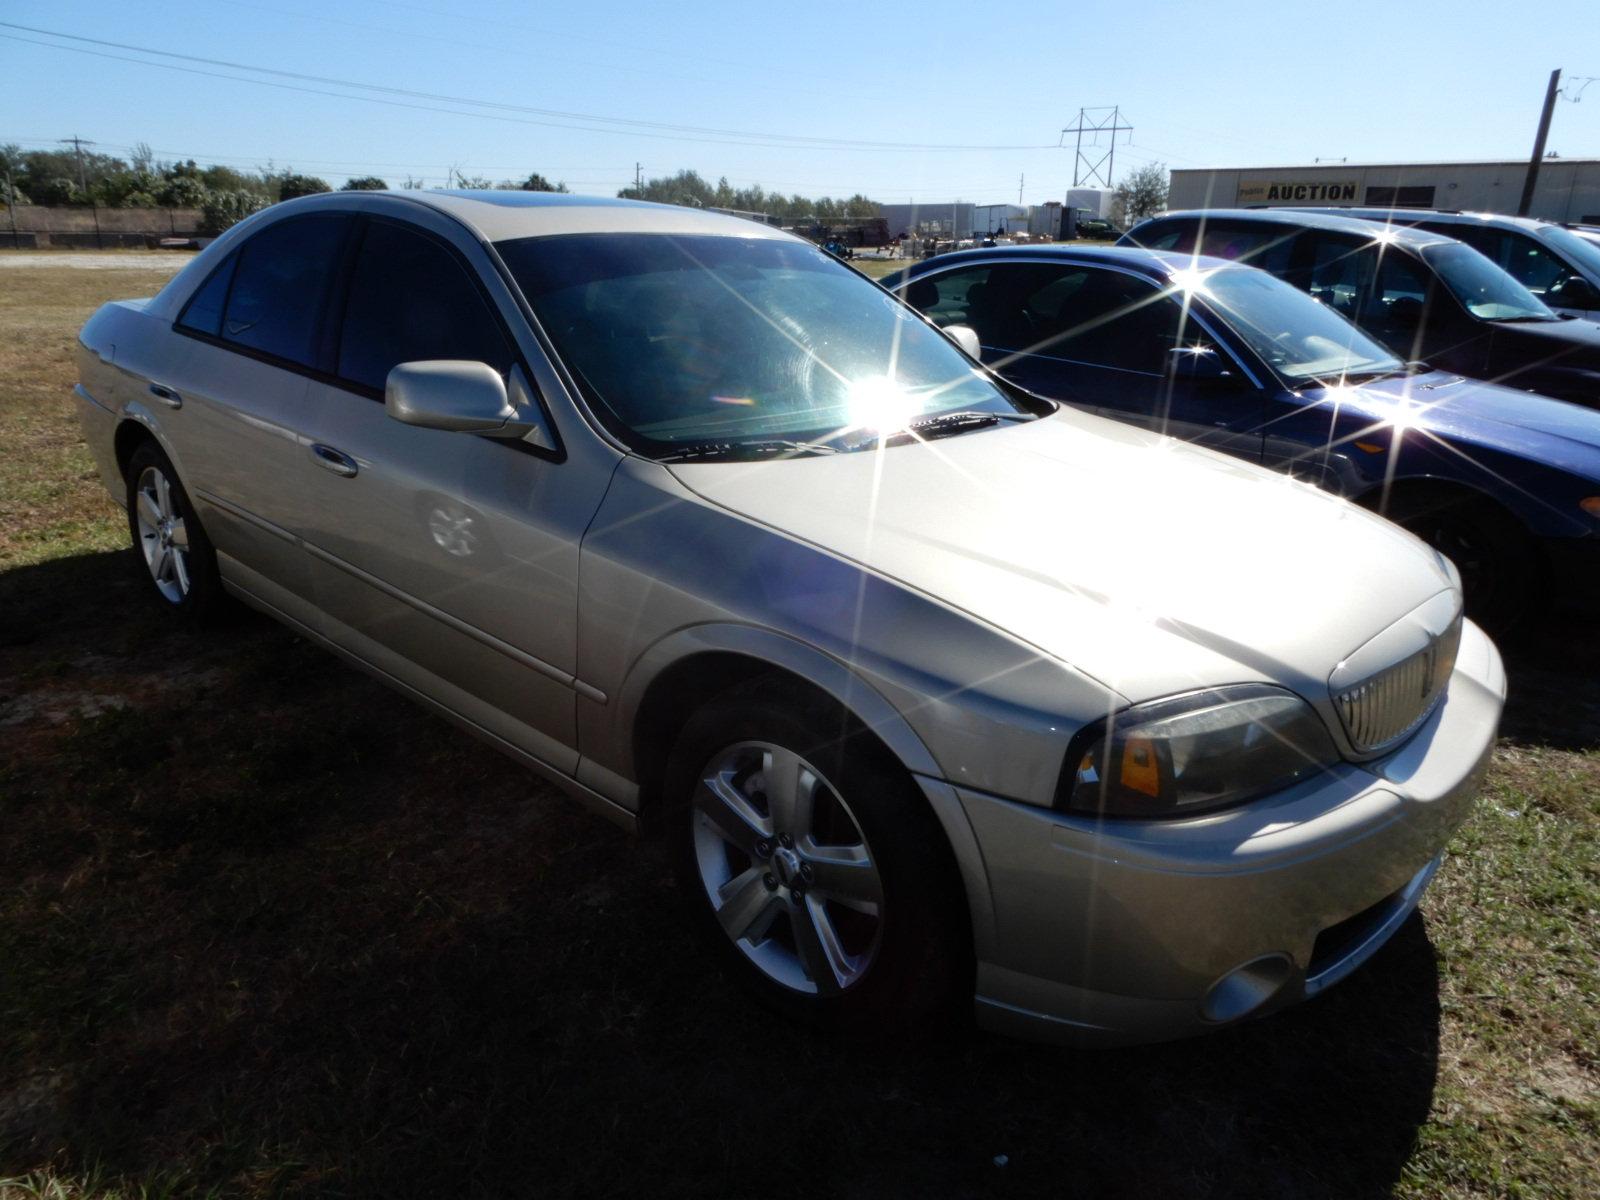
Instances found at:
x=1536 y=427
x=1148 y=564
x=1573 y=342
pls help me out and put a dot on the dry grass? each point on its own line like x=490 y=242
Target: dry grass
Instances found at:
x=259 y=937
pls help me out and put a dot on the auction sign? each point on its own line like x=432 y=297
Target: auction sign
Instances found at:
x=1270 y=191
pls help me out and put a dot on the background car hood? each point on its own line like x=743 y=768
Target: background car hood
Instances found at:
x=1148 y=564
x=1573 y=342
x=1537 y=427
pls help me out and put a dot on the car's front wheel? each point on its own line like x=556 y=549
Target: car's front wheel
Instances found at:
x=169 y=543
x=814 y=866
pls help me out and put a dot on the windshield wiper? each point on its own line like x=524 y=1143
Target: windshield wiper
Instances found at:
x=943 y=425
x=1527 y=317
x=750 y=451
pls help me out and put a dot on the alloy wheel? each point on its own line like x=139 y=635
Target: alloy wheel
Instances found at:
x=163 y=537
x=787 y=869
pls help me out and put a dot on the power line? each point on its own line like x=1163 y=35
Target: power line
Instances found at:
x=633 y=126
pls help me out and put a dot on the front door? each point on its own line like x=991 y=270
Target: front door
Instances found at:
x=448 y=560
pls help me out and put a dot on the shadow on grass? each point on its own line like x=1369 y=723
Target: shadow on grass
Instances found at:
x=1554 y=674
x=278 y=938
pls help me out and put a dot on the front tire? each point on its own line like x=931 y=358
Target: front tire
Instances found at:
x=813 y=866
x=171 y=551
x=1498 y=563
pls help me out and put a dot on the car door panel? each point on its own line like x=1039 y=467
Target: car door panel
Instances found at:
x=448 y=559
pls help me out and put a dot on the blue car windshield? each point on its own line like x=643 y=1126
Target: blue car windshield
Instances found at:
x=1575 y=249
x=1300 y=338
x=685 y=340
x=1486 y=291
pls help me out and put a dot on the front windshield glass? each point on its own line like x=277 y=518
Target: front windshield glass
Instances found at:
x=1486 y=290
x=1575 y=248
x=1300 y=338
x=689 y=340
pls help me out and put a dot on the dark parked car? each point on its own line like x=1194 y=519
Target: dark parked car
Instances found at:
x=1504 y=483
x=1554 y=262
x=1424 y=296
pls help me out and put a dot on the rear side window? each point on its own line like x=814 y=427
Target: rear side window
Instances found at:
x=280 y=285
x=1108 y=319
x=411 y=299
x=1266 y=246
x=203 y=313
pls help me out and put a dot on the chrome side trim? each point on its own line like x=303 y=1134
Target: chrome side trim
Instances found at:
x=444 y=618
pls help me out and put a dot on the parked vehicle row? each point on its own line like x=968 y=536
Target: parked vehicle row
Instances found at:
x=946 y=695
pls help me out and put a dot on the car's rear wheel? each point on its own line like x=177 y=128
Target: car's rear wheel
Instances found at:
x=813 y=865
x=174 y=555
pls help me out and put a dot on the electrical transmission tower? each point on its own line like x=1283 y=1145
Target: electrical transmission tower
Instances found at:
x=1100 y=162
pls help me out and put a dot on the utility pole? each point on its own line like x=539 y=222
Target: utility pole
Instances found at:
x=11 y=207
x=77 y=144
x=1086 y=168
x=638 y=179
x=1538 y=143
x=1020 y=179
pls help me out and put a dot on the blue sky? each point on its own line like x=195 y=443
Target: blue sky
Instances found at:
x=1221 y=83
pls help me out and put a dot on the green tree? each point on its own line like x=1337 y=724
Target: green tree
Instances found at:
x=536 y=182
x=365 y=183
x=222 y=209
x=1142 y=192
x=292 y=185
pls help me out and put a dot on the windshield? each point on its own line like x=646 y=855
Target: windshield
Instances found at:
x=1486 y=290
x=1297 y=336
x=683 y=341
x=1576 y=248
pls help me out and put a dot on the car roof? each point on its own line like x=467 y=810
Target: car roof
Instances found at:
x=1158 y=264
x=1306 y=219
x=1439 y=216
x=499 y=216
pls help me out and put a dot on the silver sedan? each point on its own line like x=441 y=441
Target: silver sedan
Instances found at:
x=944 y=695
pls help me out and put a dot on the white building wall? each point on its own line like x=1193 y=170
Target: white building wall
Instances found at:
x=1568 y=189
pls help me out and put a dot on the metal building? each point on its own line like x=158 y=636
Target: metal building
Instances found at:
x=1568 y=188
x=947 y=220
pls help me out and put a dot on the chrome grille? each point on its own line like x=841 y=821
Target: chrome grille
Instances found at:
x=1383 y=708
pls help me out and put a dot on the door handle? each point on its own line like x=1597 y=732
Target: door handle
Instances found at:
x=166 y=395
x=336 y=461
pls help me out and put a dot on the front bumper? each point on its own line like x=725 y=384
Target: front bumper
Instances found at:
x=1115 y=932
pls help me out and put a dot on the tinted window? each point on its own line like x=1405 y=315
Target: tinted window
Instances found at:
x=203 y=313
x=947 y=298
x=410 y=300
x=1264 y=246
x=1165 y=235
x=1340 y=271
x=280 y=286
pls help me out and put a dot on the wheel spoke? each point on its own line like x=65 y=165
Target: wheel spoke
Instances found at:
x=730 y=812
x=180 y=568
x=846 y=874
x=745 y=910
x=163 y=495
x=148 y=512
x=180 y=534
x=163 y=567
x=824 y=959
x=791 y=789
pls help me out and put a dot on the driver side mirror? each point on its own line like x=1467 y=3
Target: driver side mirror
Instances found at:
x=1202 y=365
x=465 y=397
x=1573 y=291
x=967 y=338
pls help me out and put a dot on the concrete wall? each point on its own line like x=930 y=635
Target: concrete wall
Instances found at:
x=1568 y=189
x=40 y=226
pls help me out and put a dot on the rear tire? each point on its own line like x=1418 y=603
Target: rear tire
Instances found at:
x=814 y=867
x=171 y=551
x=1499 y=564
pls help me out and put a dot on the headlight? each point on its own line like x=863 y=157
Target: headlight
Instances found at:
x=1187 y=754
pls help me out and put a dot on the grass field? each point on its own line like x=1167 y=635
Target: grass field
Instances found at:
x=267 y=929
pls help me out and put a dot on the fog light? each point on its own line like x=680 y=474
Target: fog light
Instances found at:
x=1590 y=505
x=1244 y=989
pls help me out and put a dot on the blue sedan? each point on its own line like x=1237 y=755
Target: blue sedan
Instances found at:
x=1505 y=483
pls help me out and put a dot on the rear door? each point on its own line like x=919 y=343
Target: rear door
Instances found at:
x=449 y=560
x=235 y=397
